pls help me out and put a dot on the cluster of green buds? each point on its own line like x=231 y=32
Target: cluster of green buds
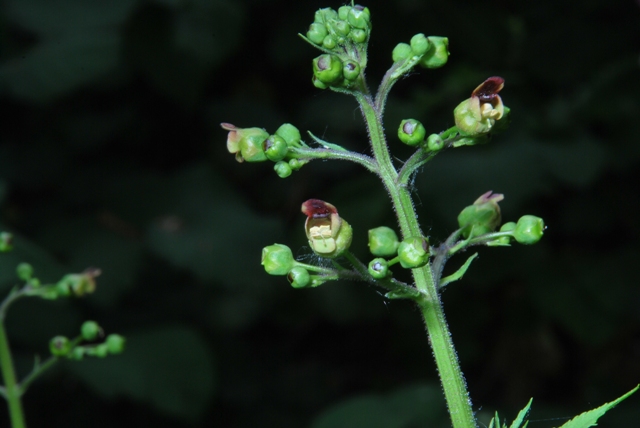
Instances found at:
x=90 y=331
x=343 y=36
x=427 y=52
x=329 y=237
x=73 y=284
x=484 y=217
x=482 y=113
x=412 y=252
x=413 y=133
x=256 y=145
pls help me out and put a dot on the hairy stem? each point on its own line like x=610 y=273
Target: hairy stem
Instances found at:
x=429 y=302
x=12 y=389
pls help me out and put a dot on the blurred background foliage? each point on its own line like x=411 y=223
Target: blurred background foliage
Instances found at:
x=111 y=155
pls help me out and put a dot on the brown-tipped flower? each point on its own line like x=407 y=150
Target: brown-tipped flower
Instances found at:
x=479 y=113
x=328 y=234
x=246 y=143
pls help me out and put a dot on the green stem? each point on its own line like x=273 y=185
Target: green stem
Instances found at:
x=12 y=389
x=429 y=302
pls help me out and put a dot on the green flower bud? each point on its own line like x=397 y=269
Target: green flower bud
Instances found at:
x=503 y=240
x=115 y=343
x=90 y=330
x=342 y=27
x=60 y=346
x=401 y=52
x=508 y=227
x=78 y=284
x=420 y=44
x=328 y=234
x=383 y=241
x=478 y=114
x=359 y=17
x=379 y=268
x=296 y=164
x=24 y=271
x=317 y=32
x=351 y=70
x=438 y=54
x=529 y=229
x=327 y=68
x=282 y=169
x=275 y=148
x=100 y=351
x=77 y=353
x=277 y=259
x=329 y=42
x=318 y=84
x=411 y=132
x=324 y=15
x=343 y=12
x=290 y=133
x=246 y=143
x=413 y=252
x=299 y=277
x=435 y=143
x=482 y=217
x=6 y=242
x=358 y=35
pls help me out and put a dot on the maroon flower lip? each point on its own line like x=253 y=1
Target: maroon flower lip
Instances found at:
x=489 y=89
x=316 y=208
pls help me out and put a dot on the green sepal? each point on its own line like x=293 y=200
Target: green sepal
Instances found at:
x=457 y=274
x=403 y=293
x=383 y=241
x=413 y=252
x=277 y=259
x=472 y=140
x=299 y=277
x=529 y=229
x=326 y=144
x=411 y=132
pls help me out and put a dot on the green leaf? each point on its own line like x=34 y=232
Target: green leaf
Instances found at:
x=589 y=418
x=171 y=369
x=520 y=418
x=412 y=406
x=326 y=144
x=459 y=273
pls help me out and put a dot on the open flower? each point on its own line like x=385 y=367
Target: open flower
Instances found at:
x=483 y=216
x=328 y=234
x=478 y=114
x=246 y=143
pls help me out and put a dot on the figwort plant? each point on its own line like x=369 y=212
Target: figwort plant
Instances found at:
x=343 y=36
x=90 y=342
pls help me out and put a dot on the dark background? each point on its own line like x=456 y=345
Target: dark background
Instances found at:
x=111 y=155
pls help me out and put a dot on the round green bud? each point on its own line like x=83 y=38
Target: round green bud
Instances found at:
x=275 y=148
x=24 y=271
x=358 y=35
x=329 y=42
x=351 y=69
x=6 y=242
x=100 y=351
x=251 y=145
x=324 y=15
x=60 y=346
x=290 y=133
x=299 y=277
x=435 y=143
x=401 y=52
x=343 y=12
x=411 y=132
x=529 y=229
x=327 y=68
x=438 y=55
x=277 y=259
x=342 y=27
x=508 y=227
x=482 y=217
x=359 y=17
x=413 y=252
x=379 y=268
x=77 y=353
x=420 y=44
x=317 y=32
x=383 y=241
x=115 y=343
x=296 y=164
x=283 y=169
x=90 y=330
